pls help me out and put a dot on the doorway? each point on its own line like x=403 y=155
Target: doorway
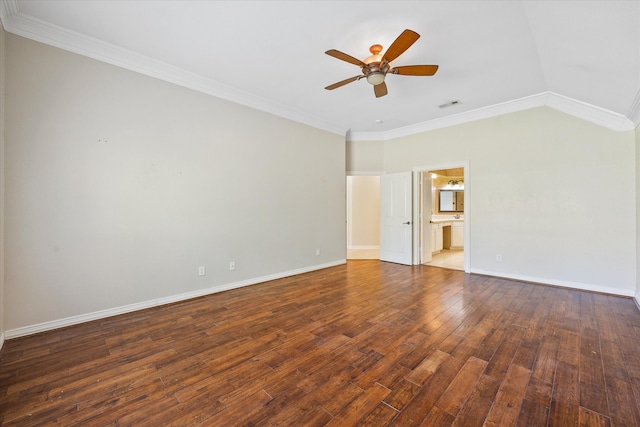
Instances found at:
x=370 y=200
x=363 y=217
x=442 y=212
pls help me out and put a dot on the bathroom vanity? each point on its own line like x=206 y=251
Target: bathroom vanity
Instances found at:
x=447 y=233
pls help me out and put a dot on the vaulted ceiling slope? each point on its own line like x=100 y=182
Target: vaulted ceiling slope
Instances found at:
x=581 y=57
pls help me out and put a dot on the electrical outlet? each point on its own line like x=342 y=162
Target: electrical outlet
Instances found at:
x=232 y=265
x=318 y=251
x=499 y=257
x=201 y=271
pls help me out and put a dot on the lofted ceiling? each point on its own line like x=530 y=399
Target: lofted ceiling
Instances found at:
x=582 y=57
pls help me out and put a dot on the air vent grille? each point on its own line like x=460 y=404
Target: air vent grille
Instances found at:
x=450 y=103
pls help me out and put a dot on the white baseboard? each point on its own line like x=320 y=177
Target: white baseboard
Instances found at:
x=96 y=315
x=1 y=341
x=560 y=283
x=362 y=247
x=74 y=320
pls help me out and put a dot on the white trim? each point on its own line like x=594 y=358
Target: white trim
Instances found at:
x=74 y=320
x=582 y=110
x=440 y=166
x=365 y=173
x=8 y=9
x=634 y=111
x=27 y=26
x=591 y=113
x=361 y=247
x=2 y=186
x=554 y=282
x=96 y=315
x=368 y=136
x=416 y=225
x=349 y=194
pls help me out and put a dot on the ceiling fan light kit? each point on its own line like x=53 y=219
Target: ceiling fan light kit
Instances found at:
x=375 y=67
x=375 y=77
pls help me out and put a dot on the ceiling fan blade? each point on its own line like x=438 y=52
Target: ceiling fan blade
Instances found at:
x=344 y=57
x=380 y=90
x=342 y=83
x=402 y=43
x=415 y=70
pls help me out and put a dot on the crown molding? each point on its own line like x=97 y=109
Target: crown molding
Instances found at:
x=582 y=110
x=24 y=25
x=27 y=26
x=591 y=113
x=634 y=111
x=8 y=9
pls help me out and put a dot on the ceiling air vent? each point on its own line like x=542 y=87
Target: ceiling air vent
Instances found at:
x=450 y=104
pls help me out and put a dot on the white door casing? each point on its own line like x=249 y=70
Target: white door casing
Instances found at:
x=426 y=196
x=396 y=222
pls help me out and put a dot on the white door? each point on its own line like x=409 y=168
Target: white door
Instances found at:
x=426 y=198
x=396 y=225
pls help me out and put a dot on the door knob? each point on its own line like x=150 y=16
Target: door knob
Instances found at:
x=407 y=223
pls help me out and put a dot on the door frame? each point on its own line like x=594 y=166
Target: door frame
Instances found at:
x=426 y=204
x=418 y=214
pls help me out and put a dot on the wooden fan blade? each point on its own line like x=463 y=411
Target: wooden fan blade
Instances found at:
x=344 y=57
x=415 y=70
x=380 y=90
x=342 y=83
x=402 y=43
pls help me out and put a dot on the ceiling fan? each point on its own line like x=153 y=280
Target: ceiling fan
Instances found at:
x=375 y=67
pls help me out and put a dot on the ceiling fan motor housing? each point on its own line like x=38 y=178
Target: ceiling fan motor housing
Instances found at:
x=376 y=66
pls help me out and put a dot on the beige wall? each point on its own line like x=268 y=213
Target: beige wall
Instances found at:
x=2 y=303
x=536 y=195
x=364 y=212
x=637 y=215
x=365 y=156
x=119 y=186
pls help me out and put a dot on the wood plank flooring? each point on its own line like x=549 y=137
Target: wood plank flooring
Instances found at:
x=366 y=343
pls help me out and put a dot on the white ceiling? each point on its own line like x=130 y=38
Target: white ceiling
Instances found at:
x=582 y=57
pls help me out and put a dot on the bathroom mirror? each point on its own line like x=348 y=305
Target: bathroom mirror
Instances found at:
x=451 y=200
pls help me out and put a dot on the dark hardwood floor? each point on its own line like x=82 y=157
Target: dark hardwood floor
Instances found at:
x=367 y=343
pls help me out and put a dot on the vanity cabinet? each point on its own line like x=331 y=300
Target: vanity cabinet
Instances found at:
x=457 y=235
x=436 y=238
x=447 y=234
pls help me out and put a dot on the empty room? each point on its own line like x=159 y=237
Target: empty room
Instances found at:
x=187 y=189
